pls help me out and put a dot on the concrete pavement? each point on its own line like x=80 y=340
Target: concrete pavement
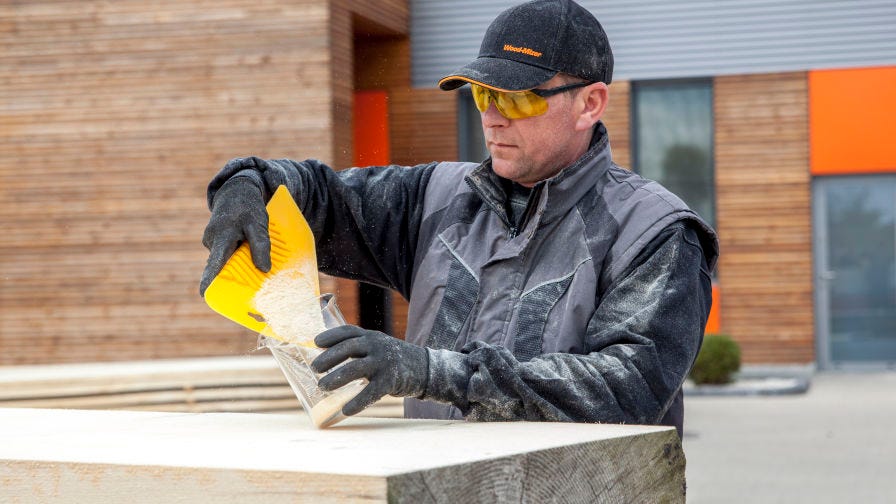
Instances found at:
x=835 y=443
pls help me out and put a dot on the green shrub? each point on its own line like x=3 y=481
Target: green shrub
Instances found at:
x=718 y=360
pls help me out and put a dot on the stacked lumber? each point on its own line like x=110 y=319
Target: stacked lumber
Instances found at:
x=217 y=384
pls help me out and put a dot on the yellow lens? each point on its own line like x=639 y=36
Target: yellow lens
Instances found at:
x=512 y=105
x=480 y=97
x=521 y=104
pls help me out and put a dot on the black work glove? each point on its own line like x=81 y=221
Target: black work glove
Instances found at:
x=390 y=365
x=238 y=214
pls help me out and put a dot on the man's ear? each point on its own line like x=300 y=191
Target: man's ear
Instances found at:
x=592 y=101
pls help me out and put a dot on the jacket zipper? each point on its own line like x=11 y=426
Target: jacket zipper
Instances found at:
x=503 y=216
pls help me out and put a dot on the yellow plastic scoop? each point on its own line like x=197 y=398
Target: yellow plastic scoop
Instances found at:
x=233 y=292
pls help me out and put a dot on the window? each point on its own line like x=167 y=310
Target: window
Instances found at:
x=471 y=141
x=672 y=133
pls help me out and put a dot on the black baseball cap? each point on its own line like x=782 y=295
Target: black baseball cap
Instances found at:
x=528 y=44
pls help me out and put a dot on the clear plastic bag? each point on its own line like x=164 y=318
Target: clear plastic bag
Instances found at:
x=323 y=408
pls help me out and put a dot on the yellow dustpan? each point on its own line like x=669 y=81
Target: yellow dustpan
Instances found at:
x=231 y=293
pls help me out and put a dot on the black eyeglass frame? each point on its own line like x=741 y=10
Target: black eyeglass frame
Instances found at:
x=544 y=93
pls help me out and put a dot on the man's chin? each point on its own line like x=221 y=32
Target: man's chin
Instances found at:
x=503 y=168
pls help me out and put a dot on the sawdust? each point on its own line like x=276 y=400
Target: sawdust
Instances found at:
x=289 y=304
x=329 y=410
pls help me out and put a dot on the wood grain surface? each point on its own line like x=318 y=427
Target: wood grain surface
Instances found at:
x=70 y=455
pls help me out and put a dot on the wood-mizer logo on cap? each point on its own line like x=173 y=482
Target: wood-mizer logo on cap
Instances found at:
x=523 y=50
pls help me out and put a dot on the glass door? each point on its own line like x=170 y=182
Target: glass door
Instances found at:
x=855 y=266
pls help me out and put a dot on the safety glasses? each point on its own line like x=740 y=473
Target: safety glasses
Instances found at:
x=518 y=104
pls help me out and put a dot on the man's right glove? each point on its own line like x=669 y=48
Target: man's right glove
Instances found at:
x=389 y=364
x=238 y=214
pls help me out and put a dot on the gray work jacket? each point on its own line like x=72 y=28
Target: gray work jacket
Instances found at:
x=592 y=310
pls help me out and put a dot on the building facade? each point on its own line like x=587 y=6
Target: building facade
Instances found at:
x=772 y=119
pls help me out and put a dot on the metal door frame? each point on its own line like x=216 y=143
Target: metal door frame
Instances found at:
x=820 y=291
x=821 y=294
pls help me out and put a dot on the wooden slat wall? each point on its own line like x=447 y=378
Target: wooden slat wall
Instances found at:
x=382 y=18
x=113 y=117
x=617 y=118
x=764 y=215
x=341 y=82
x=424 y=123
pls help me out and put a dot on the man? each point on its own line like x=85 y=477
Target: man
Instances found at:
x=544 y=284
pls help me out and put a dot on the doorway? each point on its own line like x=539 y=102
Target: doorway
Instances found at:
x=855 y=270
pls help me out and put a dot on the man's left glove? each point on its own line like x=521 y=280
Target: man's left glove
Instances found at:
x=389 y=364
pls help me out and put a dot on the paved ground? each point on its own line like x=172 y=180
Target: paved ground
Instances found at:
x=835 y=443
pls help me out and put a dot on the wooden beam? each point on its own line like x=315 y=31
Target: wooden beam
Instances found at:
x=115 y=456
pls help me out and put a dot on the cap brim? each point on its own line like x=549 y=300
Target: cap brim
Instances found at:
x=497 y=73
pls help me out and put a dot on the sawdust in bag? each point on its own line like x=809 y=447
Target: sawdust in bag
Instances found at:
x=296 y=317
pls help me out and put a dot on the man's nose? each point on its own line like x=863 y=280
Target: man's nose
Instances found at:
x=491 y=118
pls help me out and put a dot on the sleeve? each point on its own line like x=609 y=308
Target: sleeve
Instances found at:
x=641 y=342
x=365 y=220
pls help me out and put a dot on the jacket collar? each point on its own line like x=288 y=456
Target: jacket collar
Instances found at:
x=556 y=195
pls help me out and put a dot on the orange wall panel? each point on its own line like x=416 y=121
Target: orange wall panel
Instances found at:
x=371 y=128
x=714 y=321
x=851 y=120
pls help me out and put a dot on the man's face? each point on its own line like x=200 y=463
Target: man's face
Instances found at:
x=532 y=149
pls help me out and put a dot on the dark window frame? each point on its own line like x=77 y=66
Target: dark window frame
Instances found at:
x=634 y=123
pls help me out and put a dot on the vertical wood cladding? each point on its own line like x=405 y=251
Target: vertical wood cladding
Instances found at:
x=341 y=83
x=113 y=117
x=764 y=215
x=617 y=118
